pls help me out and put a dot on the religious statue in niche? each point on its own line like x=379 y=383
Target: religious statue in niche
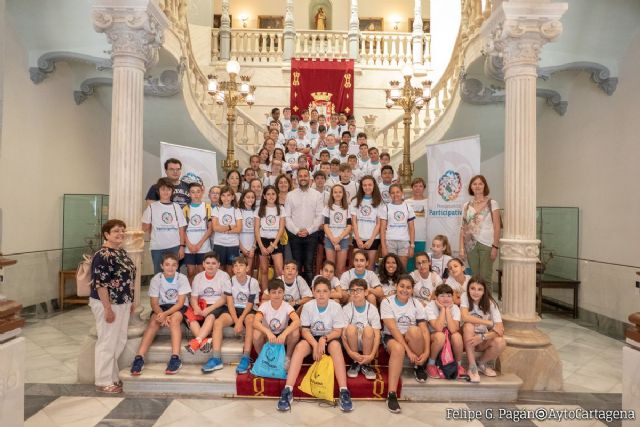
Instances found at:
x=321 y=19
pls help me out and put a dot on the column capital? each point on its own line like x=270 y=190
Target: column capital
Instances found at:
x=134 y=28
x=517 y=250
x=517 y=30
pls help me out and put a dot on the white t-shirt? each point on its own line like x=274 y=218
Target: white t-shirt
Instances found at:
x=424 y=288
x=168 y=292
x=292 y=158
x=211 y=290
x=243 y=293
x=302 y=143
x=433 y=311
x=369 y=316
x=354 y=147
x=226 y=216
x=356 y=175
x=334 y=281
x=409 y=314
x=374 y=169
x=247 y=236
x=297 y=290
x=458 y=287
x=270 y=224
x=363 y=164
x=420 y=208
x=384 y=191
x=166 y=220
x=369 y=276
x=337 y=219
x=398 y=218
x=493 y=314
x=334 y=131
x=388 y=288
x=197 y=226
x=439 y=265
x=366 y=216
x=482 y=225
x=276 y=320
x=319 y=322
x=343 y=159
x=351 y=188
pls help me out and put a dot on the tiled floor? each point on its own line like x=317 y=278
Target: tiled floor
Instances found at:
x=592 y=365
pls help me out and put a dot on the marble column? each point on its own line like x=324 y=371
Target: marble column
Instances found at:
x=517 y=30
x=225 y=32
x=417 y=34
x=354 y=31
x=289 y=33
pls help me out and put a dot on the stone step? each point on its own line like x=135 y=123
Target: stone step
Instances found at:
x=190 y=381
x=160 y=351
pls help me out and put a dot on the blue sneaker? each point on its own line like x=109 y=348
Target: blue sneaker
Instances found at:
x=213 y=364
x=137 y=366
x=345 y=401
x=284 y=403
x=243 y=366
x=174 y=365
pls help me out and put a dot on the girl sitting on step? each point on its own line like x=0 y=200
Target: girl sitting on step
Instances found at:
x=457 y=280
x=483 y=330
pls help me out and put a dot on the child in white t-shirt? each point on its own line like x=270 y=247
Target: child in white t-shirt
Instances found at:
x=322 y=322
x=296 y=290
x=365 y=218
x=405 y=332
x=443 y=313
x=457 y=279
x=198 y=217
x=483 y=330
x=397 y=232
x=168 y=291
x=328 y=272
x=227 y=225
x=247 y=206
x=276 y=321
x=426 y=280
x=361 y=337
x=360 y=271
x=337 y=227
x=440 y=255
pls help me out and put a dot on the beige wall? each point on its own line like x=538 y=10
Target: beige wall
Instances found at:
x=402 y=9
x=49 y=147
x=589 y=158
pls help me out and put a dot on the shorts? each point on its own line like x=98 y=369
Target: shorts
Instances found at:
x=183 y=310
x=193 y=259
x=190 y=316
x=320 y=237
x=240 y=310
x=374 y=246
x=266 y=242
x=398 y=247
x=385 y=341
x=344 y=244
x=360 y=333
x=227 y=254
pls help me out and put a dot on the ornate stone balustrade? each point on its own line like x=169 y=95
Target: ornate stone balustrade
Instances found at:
x=256 y=45
x=322 y=44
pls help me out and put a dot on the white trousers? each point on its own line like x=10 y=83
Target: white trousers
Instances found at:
x=112 y=338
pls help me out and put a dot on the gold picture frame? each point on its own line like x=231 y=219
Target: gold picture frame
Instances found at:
x=371 y=24
x=270 y=22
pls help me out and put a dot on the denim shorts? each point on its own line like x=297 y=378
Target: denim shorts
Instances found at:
x=194 y=259
x=344 y=244
x=227 y=254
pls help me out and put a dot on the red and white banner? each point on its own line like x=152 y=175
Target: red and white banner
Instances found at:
x=326 y=85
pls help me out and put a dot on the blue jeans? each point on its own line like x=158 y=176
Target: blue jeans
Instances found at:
x=303 y=250
x=157 y=254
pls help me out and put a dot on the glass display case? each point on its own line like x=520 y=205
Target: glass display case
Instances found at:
x=558 y=230
x=82 y=218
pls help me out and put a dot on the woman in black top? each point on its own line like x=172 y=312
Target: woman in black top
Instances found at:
x=113 y=275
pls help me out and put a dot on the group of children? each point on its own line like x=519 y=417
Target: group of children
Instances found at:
x=347 y=308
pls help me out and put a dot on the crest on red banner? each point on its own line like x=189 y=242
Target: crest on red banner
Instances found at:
x=324 y=85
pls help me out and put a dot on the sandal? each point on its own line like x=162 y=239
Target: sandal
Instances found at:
x=474 y=377
x=110 y=389
x=487 y=371
x=118 y=383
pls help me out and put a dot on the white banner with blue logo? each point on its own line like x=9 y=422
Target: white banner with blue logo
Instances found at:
x=451 y=164
x=197 y=164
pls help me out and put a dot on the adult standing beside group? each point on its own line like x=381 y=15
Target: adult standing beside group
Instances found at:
x=480 y=231
x=173 y=170
x=303 y=211
x=113 y=274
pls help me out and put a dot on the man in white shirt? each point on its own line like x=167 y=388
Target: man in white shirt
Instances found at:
x=303 y=210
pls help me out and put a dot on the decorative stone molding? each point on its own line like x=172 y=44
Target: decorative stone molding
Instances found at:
x=135 y=30
x=473 y=91
x=519 y=250
x=600 y=74
x=47 y=63
x=168 y=84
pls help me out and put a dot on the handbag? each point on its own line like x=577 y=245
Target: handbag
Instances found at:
x=445 y=361
x=270 y=362
x=318 y=381
x=84 y=276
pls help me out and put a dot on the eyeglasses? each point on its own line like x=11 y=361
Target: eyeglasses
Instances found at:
x=356 y=291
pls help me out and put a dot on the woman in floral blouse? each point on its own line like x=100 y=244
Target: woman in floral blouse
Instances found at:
x=113 y=274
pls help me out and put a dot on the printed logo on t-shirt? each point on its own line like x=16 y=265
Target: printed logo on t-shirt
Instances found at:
x=317 y=327
x=249 y=222
x=338 y=217
x=359 y=325
x=292 y=160
x=385 y=194
x=436 y=269
x=288 y=298
x=209 y=292
x=365 y=210
x=242 y=298
x=404 y=320
x=398 y=216
x=226 y=219
x=275 y=325
x=270 y=220
x=167 y=218
x=171 y=294
x=424 y=292
x=196 y=220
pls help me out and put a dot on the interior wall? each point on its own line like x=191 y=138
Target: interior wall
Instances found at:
x=589 y=158
x=50 y=147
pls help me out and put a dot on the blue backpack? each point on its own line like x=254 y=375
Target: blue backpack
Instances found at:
x=270 y=362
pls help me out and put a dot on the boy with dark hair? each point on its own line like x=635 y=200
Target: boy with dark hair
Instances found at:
x=180 y=194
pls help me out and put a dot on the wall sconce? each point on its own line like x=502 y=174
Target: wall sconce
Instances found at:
x=395 y=21
x=244 y=18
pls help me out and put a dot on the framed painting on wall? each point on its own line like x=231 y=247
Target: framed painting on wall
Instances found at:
x=267 y=22
x=426 y=25
x=371 y=24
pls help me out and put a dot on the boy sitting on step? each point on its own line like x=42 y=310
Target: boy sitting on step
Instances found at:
x=361 y=337
x=168 y=291
x=296 y=289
